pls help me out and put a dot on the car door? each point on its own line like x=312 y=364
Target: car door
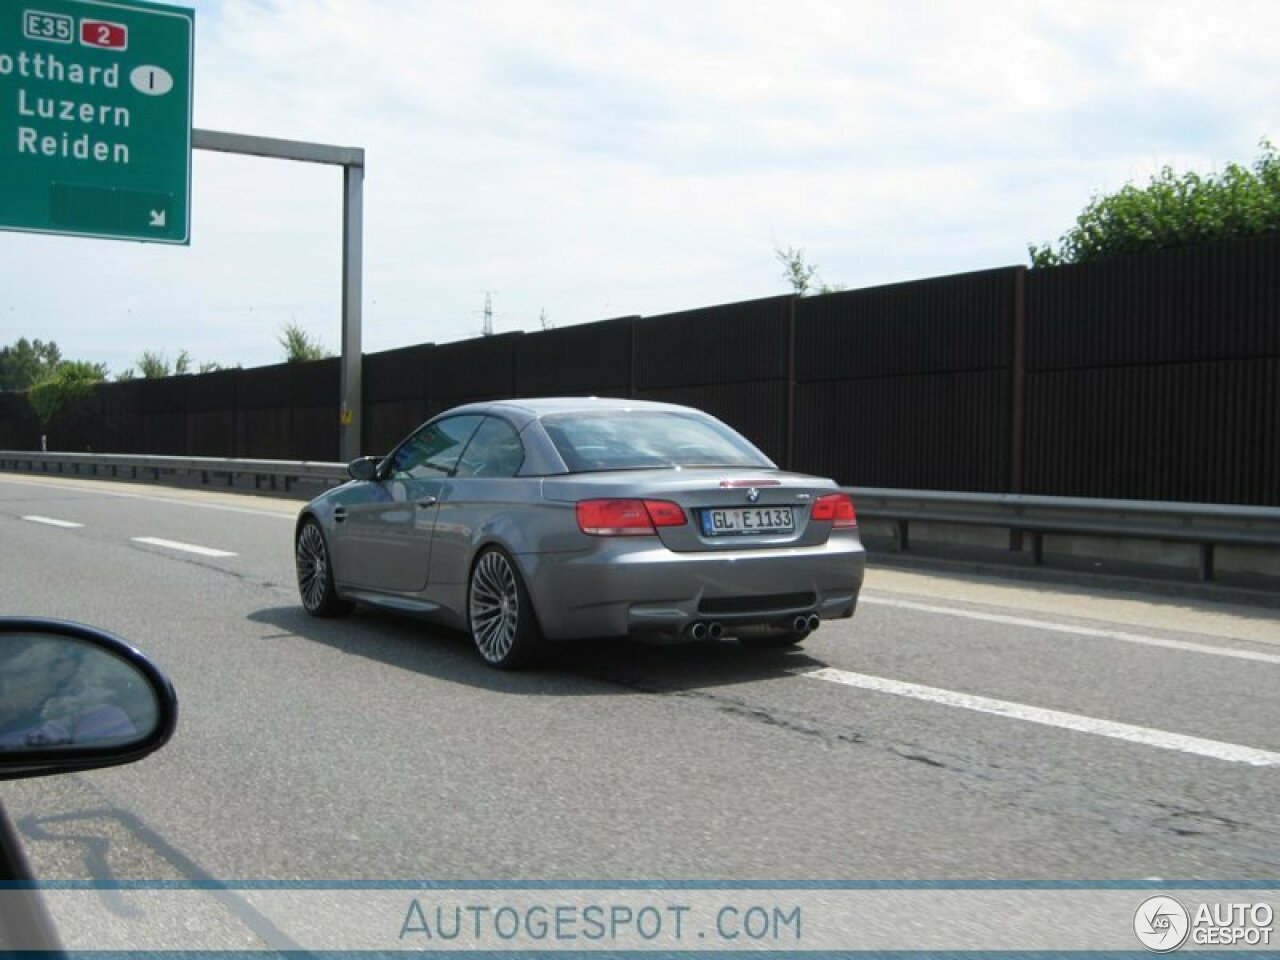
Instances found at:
x=385 y=542
x=482 y=485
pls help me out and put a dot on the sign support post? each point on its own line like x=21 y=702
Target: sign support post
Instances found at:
x=351 y=159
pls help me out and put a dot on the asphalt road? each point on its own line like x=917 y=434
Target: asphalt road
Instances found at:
x=954 y=729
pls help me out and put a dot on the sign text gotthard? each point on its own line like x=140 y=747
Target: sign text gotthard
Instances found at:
x=53 y=122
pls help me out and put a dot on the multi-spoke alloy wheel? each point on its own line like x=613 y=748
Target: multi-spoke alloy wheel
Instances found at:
x=502 y=622
x=315 y=576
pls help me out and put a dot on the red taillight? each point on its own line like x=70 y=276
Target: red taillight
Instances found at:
x=664 y=513
x=836 y=507
x=627 y=518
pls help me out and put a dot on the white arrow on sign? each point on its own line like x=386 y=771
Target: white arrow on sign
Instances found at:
x=157 y=218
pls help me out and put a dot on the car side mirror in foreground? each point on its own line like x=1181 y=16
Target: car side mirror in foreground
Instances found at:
x=75 y=698
x=365 y=469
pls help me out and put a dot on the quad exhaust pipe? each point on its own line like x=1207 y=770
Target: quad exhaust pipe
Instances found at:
x=714 y=629
x=706 y=630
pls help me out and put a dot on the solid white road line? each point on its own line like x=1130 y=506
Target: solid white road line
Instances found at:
x=1214 y=749
x=1094 y=632
x=184 y=547
x=51 y=522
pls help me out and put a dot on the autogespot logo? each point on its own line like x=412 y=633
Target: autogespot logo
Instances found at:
x=1161 y=924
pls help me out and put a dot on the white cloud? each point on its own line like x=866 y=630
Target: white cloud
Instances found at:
x=598 y=159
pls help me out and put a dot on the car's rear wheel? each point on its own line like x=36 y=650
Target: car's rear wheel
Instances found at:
x=315 y=574
x=503 y=625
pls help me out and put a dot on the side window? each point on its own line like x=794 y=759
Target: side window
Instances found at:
x=433 y=451
x=494 y=451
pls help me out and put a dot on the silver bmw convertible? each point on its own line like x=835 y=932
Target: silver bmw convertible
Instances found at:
x=528 y=521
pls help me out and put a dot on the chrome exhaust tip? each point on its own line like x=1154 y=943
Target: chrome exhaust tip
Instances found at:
x=813 y=622
x=715 y=630
x=800 y=624
x=698 y=631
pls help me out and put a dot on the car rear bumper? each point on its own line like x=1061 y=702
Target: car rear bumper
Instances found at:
x=636 y=587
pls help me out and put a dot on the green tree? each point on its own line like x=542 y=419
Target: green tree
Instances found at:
x=300 y=346
x=1173 y=210
x=801 y=274
x=27 y=362
x=154 y=366
x=71 y=379
x=795 y=269
x=82 y=370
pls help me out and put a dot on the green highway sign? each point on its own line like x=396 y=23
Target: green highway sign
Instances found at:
x=95 y=118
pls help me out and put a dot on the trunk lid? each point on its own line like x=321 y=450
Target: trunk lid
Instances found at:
x=727 y=508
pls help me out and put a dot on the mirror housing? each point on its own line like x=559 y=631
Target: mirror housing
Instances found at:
x=76 y=698
x=365 y=469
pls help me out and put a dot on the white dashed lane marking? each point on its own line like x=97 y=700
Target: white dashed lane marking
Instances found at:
x=183 y=547
x=52 y=522
x=1214 y=749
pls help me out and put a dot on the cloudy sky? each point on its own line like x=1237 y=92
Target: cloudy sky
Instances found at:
x=585 y=159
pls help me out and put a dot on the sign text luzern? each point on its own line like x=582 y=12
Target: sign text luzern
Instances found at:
x=95 y=118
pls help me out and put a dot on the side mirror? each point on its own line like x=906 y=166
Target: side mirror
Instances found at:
x=364 y=469
x=76 y=698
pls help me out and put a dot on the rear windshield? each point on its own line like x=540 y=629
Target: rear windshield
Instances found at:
x=627 y=440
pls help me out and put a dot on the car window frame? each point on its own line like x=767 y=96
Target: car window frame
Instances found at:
x=575 y=462
x=392 y=472
x=515 y=435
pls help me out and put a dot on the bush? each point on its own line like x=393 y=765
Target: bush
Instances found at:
x=1173 y=211
x=70 y=380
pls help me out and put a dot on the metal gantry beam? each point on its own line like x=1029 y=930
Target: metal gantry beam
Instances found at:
x=351 y=159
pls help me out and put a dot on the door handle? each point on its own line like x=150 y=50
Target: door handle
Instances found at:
x=427 y=501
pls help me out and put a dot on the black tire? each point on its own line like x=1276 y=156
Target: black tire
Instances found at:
x=774 y=641
x=504 y=627
x=315 y=574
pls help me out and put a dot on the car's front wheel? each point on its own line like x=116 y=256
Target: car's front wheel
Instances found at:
x=315 y=574
x=503 y=626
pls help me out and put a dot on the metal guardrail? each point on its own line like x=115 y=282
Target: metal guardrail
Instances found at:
x=276 y=472
x=1205 y=525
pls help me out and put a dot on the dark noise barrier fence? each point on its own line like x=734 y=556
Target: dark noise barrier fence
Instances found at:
x=1154 y=377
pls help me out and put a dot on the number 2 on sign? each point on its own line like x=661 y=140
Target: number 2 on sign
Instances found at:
x=100 y=33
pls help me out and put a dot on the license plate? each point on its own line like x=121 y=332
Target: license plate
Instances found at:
x=746 y=520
